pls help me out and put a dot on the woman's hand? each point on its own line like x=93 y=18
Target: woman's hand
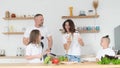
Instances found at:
x=80 y=41
x=69 y=40
x=67 y=45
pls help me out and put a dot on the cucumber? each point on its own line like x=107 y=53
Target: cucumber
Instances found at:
x=47 y=59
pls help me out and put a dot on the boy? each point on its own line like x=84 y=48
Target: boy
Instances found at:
x=105 y=41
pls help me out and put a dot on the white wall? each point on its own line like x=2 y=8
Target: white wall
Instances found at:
x=52 y=11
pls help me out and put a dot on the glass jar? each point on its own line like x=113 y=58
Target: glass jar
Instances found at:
x=90 y=12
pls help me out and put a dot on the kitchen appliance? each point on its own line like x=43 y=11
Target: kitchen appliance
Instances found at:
x=117 y=39
x=82 y=13
x=2 y=52
x=20 y=51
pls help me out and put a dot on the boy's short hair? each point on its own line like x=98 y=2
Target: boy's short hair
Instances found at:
x=107 y=37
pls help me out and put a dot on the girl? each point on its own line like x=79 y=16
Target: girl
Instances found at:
x=34 y=49
x=72 y=41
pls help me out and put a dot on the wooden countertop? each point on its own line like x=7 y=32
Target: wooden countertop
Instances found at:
x=17 y=57
x=79 y=65
x=83 y=56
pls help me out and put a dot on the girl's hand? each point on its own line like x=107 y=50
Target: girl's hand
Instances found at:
x=46 y=52
x=38 y=55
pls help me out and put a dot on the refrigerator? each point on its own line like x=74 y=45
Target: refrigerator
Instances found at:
x=117 y=37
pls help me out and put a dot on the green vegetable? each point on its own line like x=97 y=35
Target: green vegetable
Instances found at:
x=104 y=60
x=63 y=58
x=47 y=60
x=109 y=59
x=116 y=61
x=50 y=62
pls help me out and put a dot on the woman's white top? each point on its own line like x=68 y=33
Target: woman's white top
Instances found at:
x=75 y=46
x=33 y=49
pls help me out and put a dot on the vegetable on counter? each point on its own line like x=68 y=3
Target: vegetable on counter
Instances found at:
x=109 y=60
x=47 y=60
x=54 y=60
x=63 y=58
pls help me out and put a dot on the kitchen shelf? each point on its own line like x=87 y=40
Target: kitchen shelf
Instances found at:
x=19 y=18
x=93 y=31
x=84 y=31
x=89 y=16
x=11 y=33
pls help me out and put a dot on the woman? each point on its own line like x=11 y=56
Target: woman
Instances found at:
x=72 y=41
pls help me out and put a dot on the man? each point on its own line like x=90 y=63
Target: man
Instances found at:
x=39 y=20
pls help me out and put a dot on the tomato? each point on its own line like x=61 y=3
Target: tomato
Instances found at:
x=55 y=60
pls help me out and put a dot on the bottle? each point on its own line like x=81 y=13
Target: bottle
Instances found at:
x=10 y=28
x=71 y=11
x=7 y=14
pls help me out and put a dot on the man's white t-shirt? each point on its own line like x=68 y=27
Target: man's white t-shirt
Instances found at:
x=44 y=32
x=33 y=49
x=75 y=47
x=104 y=52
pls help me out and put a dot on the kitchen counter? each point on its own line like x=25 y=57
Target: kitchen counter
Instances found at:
x=20 y=57
x=11 y=57
x=79 y=65
x=20 y=62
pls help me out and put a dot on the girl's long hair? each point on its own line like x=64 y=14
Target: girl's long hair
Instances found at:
x=34 y=36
